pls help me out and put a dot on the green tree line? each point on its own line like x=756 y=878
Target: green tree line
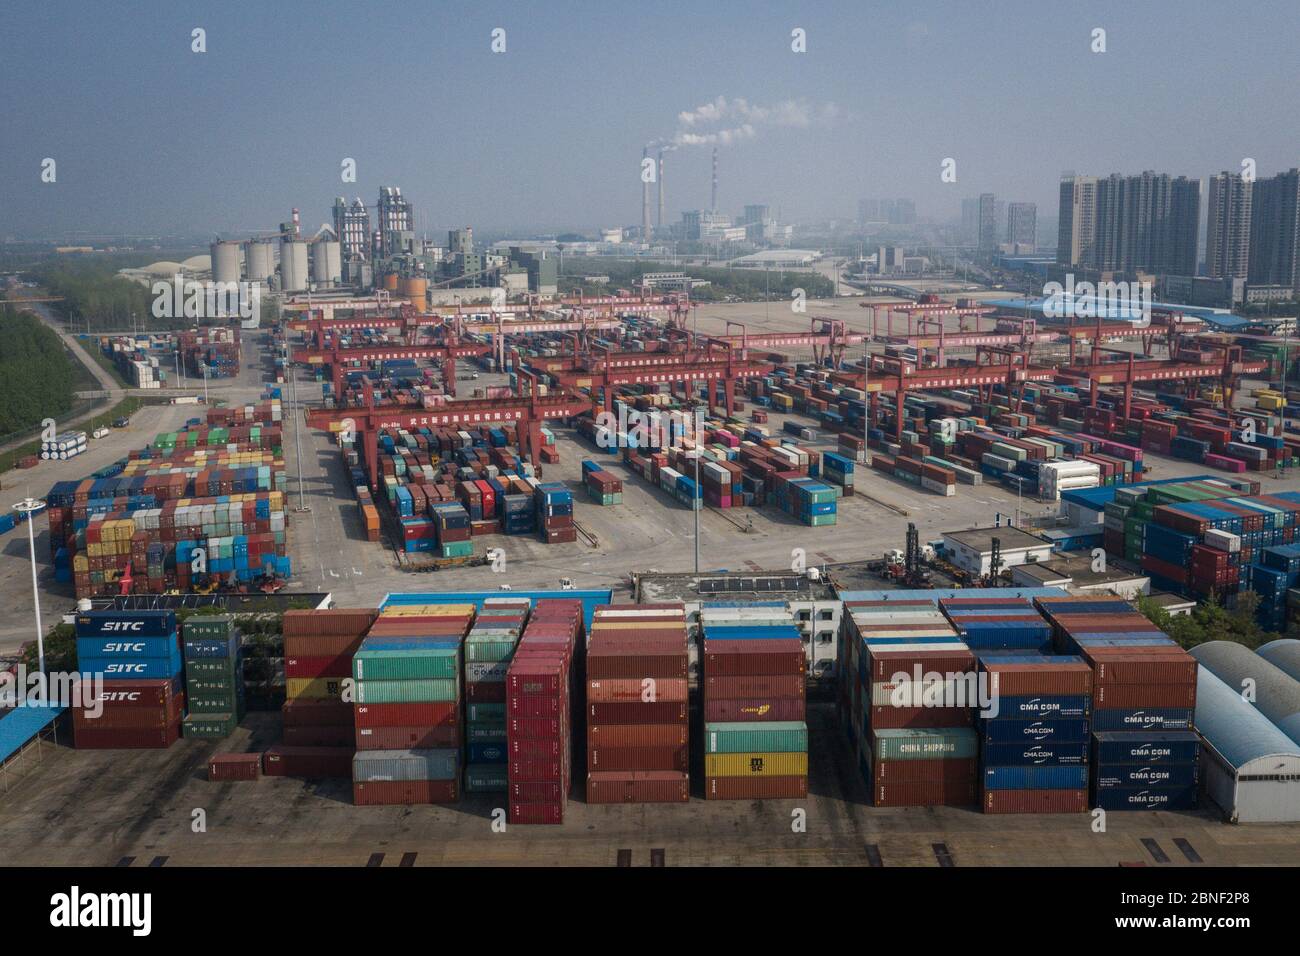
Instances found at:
x=36 y=372
x=748 y=284
x=1210 y=621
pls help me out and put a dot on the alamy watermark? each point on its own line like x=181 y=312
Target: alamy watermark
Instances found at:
x=1127 y=301
x=191 y=299
x=631 y=428
x=21 y=688
x=936 y=689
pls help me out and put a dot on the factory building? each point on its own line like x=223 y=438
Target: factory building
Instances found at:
x=352 y=227
x=972 y=551
x=395 y=217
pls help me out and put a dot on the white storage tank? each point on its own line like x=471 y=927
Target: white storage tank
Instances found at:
x=260 y=259
x=327 y=262
x=225 y=261
x=293 y=265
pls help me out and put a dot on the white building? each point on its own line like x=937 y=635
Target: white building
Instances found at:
x=972 y=551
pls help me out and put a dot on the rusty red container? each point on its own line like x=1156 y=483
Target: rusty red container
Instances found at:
x=755 y=788
x=754 y=708
x=438 y=714
x=637 y=735
x=631 y=690
x=305 y=712
x=737 y=658
x=374 y=793
x=86 y=737
x=536 y=791
x=340 y=665
x=321 y=645
x=755 y=685
x=406 y=738
x=1118 y=665
x=536 y=812
x=1034 y=801
x=282 y=760
x=485 y=691
x=335 y=621
x=1028 y=680
x=130 y=717
x=925 y=793
x=533 y=707
x=223 y=768
x=638 y=758
x=885 y=663
x=536 y=748
x=520 y=770
x=921 y=771
x=543 y=728
x=609 y=661
x=638 y=786
x=658 y=712
x=535 y=679
x=1113 y=696
x=895 y=717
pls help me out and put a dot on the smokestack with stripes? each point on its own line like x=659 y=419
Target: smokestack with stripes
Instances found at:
x=645 y=199
x=659 y=223
x=713 y=205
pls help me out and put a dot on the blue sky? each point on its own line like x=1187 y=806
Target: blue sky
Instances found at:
x=150 y=136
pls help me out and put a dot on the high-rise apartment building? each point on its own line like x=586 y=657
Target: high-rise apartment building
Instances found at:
x=1275 y=231
x=1227 y=234
x=1146 y=223
x=1022 y=224
x=988 y=235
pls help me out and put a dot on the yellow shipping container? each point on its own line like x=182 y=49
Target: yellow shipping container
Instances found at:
x=428 y=610
x=314 y=688
x=756 y=764
x=1271 y=403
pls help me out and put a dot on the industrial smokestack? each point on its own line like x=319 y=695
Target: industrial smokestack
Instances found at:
x=645 y=200
x=297 y=225
x=713 y=205
x=659 y=223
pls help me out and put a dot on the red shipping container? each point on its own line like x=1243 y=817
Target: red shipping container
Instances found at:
x=317 y=713
x=406 y=738
x=659 y=712
x=485 y=691
x=286 y=761
x=534 y=707
x=1035 y=801
x=323 y=736
x=755 y=788
x=1128 y=696
x=536 y=812
x=536 y=791
x=536 y=748
x=935 y=793
x=736 y=658
x=542 y=728
x=223 y=768
x=895 y=717
x=627 y=690
x=88 y=738
x=437 y=714
x=884 y=664
x=1028 y=680
x=638 y=758
x=637 y=735
x=638 y=786
x=921 y=771
x=758 y=685
x=754 y=708
x=337 y=666
x=1143 y=665
x=521 y=770
x=372 y=793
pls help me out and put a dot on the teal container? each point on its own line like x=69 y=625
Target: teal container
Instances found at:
x=485 y=731
x=408 y=691
x=216 y=704
x=489 y=650
x=486 y=778
x=212 y=668
x=777 y=736
x=476 y=713
x=209 y=726
x=456 y=549
x=406 y=664
x=925 y=743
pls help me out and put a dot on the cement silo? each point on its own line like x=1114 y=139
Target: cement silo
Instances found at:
x=416 y=291
x=293 y=265
x=259 y=257
x=225 y=261
x=326 y=262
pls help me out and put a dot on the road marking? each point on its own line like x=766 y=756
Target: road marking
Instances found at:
x=376 y=859
x=408 y=859
x=657 y=857
x=125 y=861
x=158 y=861
x=1153 y=848
x=624 y=858
x=1188 y=850
x=873 y=855
x=941 y=854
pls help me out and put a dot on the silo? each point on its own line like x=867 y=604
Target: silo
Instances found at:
x=390 y=282
x=259 y=257
x=417 y=291
x=293 y=265
x=225 y=261
x=327 y=262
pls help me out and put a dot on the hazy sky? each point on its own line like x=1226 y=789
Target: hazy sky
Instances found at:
x=150 y=136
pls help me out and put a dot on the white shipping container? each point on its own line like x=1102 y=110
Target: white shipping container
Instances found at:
x=1223 y=540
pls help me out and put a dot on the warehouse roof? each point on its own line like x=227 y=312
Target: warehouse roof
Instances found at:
x=1283 y=654
x=1277 y=694
x=1239 y=732
x=21 y=724
x=1009 y=539
x=732 y=586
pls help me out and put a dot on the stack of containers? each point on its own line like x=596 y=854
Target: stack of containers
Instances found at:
x=602 y=487
x=1034 y=749
x=554 y=506
x=1143 y=685
x=637 y=744
x=911 y=706
x=998 y=623
x=541 y=686
x=214 y=679
x=755 y=693
x=489 y=647
x=319 y=734
x=838 y=470
x=138 y=657
x=451 y=525
x=407 y=697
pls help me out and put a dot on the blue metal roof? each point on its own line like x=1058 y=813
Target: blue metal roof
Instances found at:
x=21 y=724
x=1111 y=310
x=1234 y=728
x=1099 y=498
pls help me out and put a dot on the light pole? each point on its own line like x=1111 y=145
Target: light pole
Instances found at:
x=29 y=507
x=696 y=505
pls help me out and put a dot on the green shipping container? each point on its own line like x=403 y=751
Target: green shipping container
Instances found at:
x=209 y=726
x=216 y=704
x=212 y=668
x=940 y=743
x=476 y=713
x=411 y=664
x=777 y=736
x=207 y=626
x=488 y=651
x=211 y=687
x=456 y=549
x=407 y=691
x=486 y=731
